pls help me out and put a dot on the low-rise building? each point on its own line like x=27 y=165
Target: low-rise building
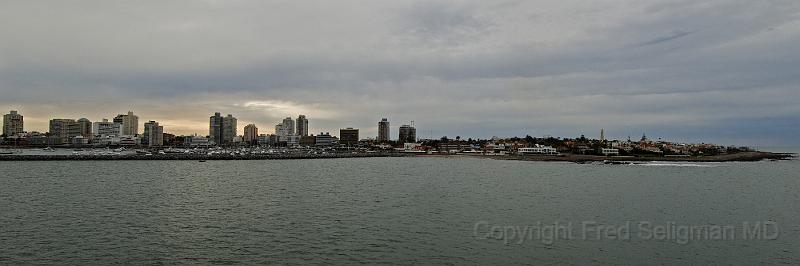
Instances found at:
x=537 y=150
x=63 y=130
x=308 y=140
x=348 y=136
x=36 y=139
x=454 y=147
x=609 y=151
x=107 y=140
x=324 y=139
x=496 y=149
x=80 y=141
x=106 y=128
x=197 y=142
x=129 y=140
x=268 y=139
x=292 y=140
x=413 y=147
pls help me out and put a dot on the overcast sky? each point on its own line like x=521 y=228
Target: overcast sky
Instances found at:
x=724 y=71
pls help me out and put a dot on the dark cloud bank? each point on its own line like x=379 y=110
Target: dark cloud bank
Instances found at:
x=714 y=71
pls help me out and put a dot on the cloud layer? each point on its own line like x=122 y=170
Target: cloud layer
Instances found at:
x=716 y=71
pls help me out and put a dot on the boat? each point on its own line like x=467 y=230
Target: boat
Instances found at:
x=48 y=149
x=202 y=161
x=173 y=151
x=616 y=162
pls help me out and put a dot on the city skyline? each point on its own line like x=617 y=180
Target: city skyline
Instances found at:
x=685 y=72
x=122 y=121
x=221 y=128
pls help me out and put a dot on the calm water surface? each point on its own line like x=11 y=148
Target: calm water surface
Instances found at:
x=385 y=210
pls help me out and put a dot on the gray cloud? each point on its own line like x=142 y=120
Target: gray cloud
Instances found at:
x=672 y=36
x=469 y=68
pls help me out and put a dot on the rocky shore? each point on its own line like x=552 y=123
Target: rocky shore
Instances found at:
x=736 y=157
x=198 y=157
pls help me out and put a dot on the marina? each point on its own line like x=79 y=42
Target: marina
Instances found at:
x=184 y=154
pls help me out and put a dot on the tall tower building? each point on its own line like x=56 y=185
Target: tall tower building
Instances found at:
x=288 y=126
x=302 y=126
x=279 y=131
x=229 y=129
x=285 y=129
x=129 y=122
x=222 y=129
x=251 y=134
x=215 y=130
x=153 y=134
x=13 y=124
x=408 y=133
x=383 y=130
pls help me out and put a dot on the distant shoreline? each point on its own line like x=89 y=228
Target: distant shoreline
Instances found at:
x=575 y=158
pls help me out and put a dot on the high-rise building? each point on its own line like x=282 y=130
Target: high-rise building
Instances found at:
x=148 y=130
x=222 y=129
x=348 y=136
x=251 y=134
x=285 y=129
x=85 y=127
x=229 y=129
x=279 y=130
x=13 y=124
x=63 y=130
x=129 y=122
x=215 y=130
x=407 y=134
x=106 y=128
x=153 y=134
x=302 y=126
x=288 y=126
x=383 y=130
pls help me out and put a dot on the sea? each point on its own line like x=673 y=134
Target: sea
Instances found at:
x=423 y=210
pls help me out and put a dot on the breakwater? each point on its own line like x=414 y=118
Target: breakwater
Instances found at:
x=201 y=157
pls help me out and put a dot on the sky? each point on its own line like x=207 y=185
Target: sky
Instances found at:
x=721 y=71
